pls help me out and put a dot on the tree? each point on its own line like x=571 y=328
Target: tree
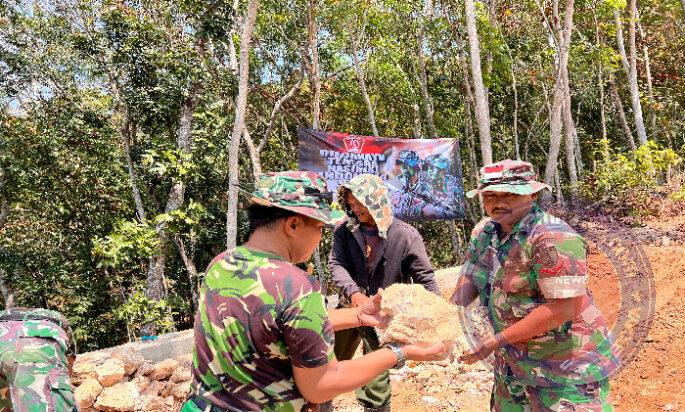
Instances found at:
x=239 y=124
x=482 y=108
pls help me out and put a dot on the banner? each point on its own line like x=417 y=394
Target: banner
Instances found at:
x=423 y=175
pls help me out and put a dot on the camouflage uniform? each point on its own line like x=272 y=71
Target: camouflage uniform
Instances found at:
x=447 y=199
x=259 y=315
x=34 y=346
x=542 y=258
x=410 y=201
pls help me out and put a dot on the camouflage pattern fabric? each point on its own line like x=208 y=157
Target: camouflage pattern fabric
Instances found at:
x=258 y=317
x=542 y=258
x=305 y=193
x=413 y=197
x=511 y=397
x=447 y=198
x=511 y=176
x=371 y=191
x=33 y=362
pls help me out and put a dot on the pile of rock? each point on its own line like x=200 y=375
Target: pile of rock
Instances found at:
x=123 y=380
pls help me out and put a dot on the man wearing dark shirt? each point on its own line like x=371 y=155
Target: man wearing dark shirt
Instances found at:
x=373 y=250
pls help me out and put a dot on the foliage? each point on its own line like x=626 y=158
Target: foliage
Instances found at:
x=628 y=181
x=92 y=95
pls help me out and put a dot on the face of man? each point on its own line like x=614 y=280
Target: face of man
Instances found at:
x=359 y=210
x=435 y=174
x=305 y=234
x=507 y=208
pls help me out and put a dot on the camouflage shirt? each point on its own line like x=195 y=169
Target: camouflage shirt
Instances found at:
x=258 y=317
x=542 y=258
x=37 y=323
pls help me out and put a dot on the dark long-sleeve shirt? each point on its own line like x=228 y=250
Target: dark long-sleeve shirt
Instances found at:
x=403 y=259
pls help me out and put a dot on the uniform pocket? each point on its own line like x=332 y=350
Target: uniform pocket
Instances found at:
x=61 y=397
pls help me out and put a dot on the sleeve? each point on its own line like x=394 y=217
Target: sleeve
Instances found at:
x=559 y=262
x=337 y=264
x=307 y=331
x=418 y=266
x=471 y=257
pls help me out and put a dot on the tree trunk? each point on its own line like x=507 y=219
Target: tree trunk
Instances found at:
x=7 y=292
x=570 y=135
x=629 y=64
x=128 y=132
x=155 y=288
x=600 y=83
x=191 y=269
x=315 y=81
x=253 y=152
x=423 y=77
x=648 y=73
x=314 y=76
x=239 y=125
x=634 y=92
x=482 y=109
x=558 y=99
x=618 y=108
x=417 y=129
x=517 y=153
x=360 y=77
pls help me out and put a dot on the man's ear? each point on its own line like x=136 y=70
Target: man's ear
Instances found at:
x=291 y=224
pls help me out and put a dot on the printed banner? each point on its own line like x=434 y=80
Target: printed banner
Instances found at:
x=423 y=175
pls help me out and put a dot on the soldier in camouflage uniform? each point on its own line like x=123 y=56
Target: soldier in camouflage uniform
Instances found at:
x=552 y=349
x=37 y=350
x=415 y=194
x=263 y=338
x=447 y=194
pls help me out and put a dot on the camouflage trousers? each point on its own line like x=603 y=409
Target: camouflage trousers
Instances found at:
x=34 y=376
x=508 y=396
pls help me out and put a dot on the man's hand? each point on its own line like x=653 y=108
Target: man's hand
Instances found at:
x=426 y=353
x=370 y=311
x=482 y=350
x=359 y=299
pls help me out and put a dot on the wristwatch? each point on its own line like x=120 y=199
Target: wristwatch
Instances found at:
x=401 y=360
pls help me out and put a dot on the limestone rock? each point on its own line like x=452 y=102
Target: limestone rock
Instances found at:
x=110 y=373
x=186 y=360
x=130 y=357
x=420 y=317
x=141 y=383
x=154 y=388
x=151 y=403
x=87 y=393
x=85 y=364
x=121 y=397
x=181 y=374
x=163 y=369
x=144 y=369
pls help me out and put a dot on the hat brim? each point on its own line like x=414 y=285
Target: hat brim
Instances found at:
x=528 y=188
x=330 y=217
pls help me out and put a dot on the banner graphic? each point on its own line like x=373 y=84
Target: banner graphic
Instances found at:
x=423 y=175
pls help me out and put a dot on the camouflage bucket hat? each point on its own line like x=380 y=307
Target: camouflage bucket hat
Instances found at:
x=510 y=176
x=372 y=192
x=305 y=193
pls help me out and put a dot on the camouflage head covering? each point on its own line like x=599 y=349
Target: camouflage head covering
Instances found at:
x=409 y=158
x=305 y=193
x=438 y=161
x=371 y=192
x=511 y=176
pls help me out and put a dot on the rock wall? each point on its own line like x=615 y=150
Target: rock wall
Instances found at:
x=135 y=377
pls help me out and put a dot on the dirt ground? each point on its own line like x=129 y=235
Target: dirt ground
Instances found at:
x=653 y=381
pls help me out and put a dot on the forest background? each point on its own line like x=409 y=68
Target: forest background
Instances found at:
x=126 y=126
